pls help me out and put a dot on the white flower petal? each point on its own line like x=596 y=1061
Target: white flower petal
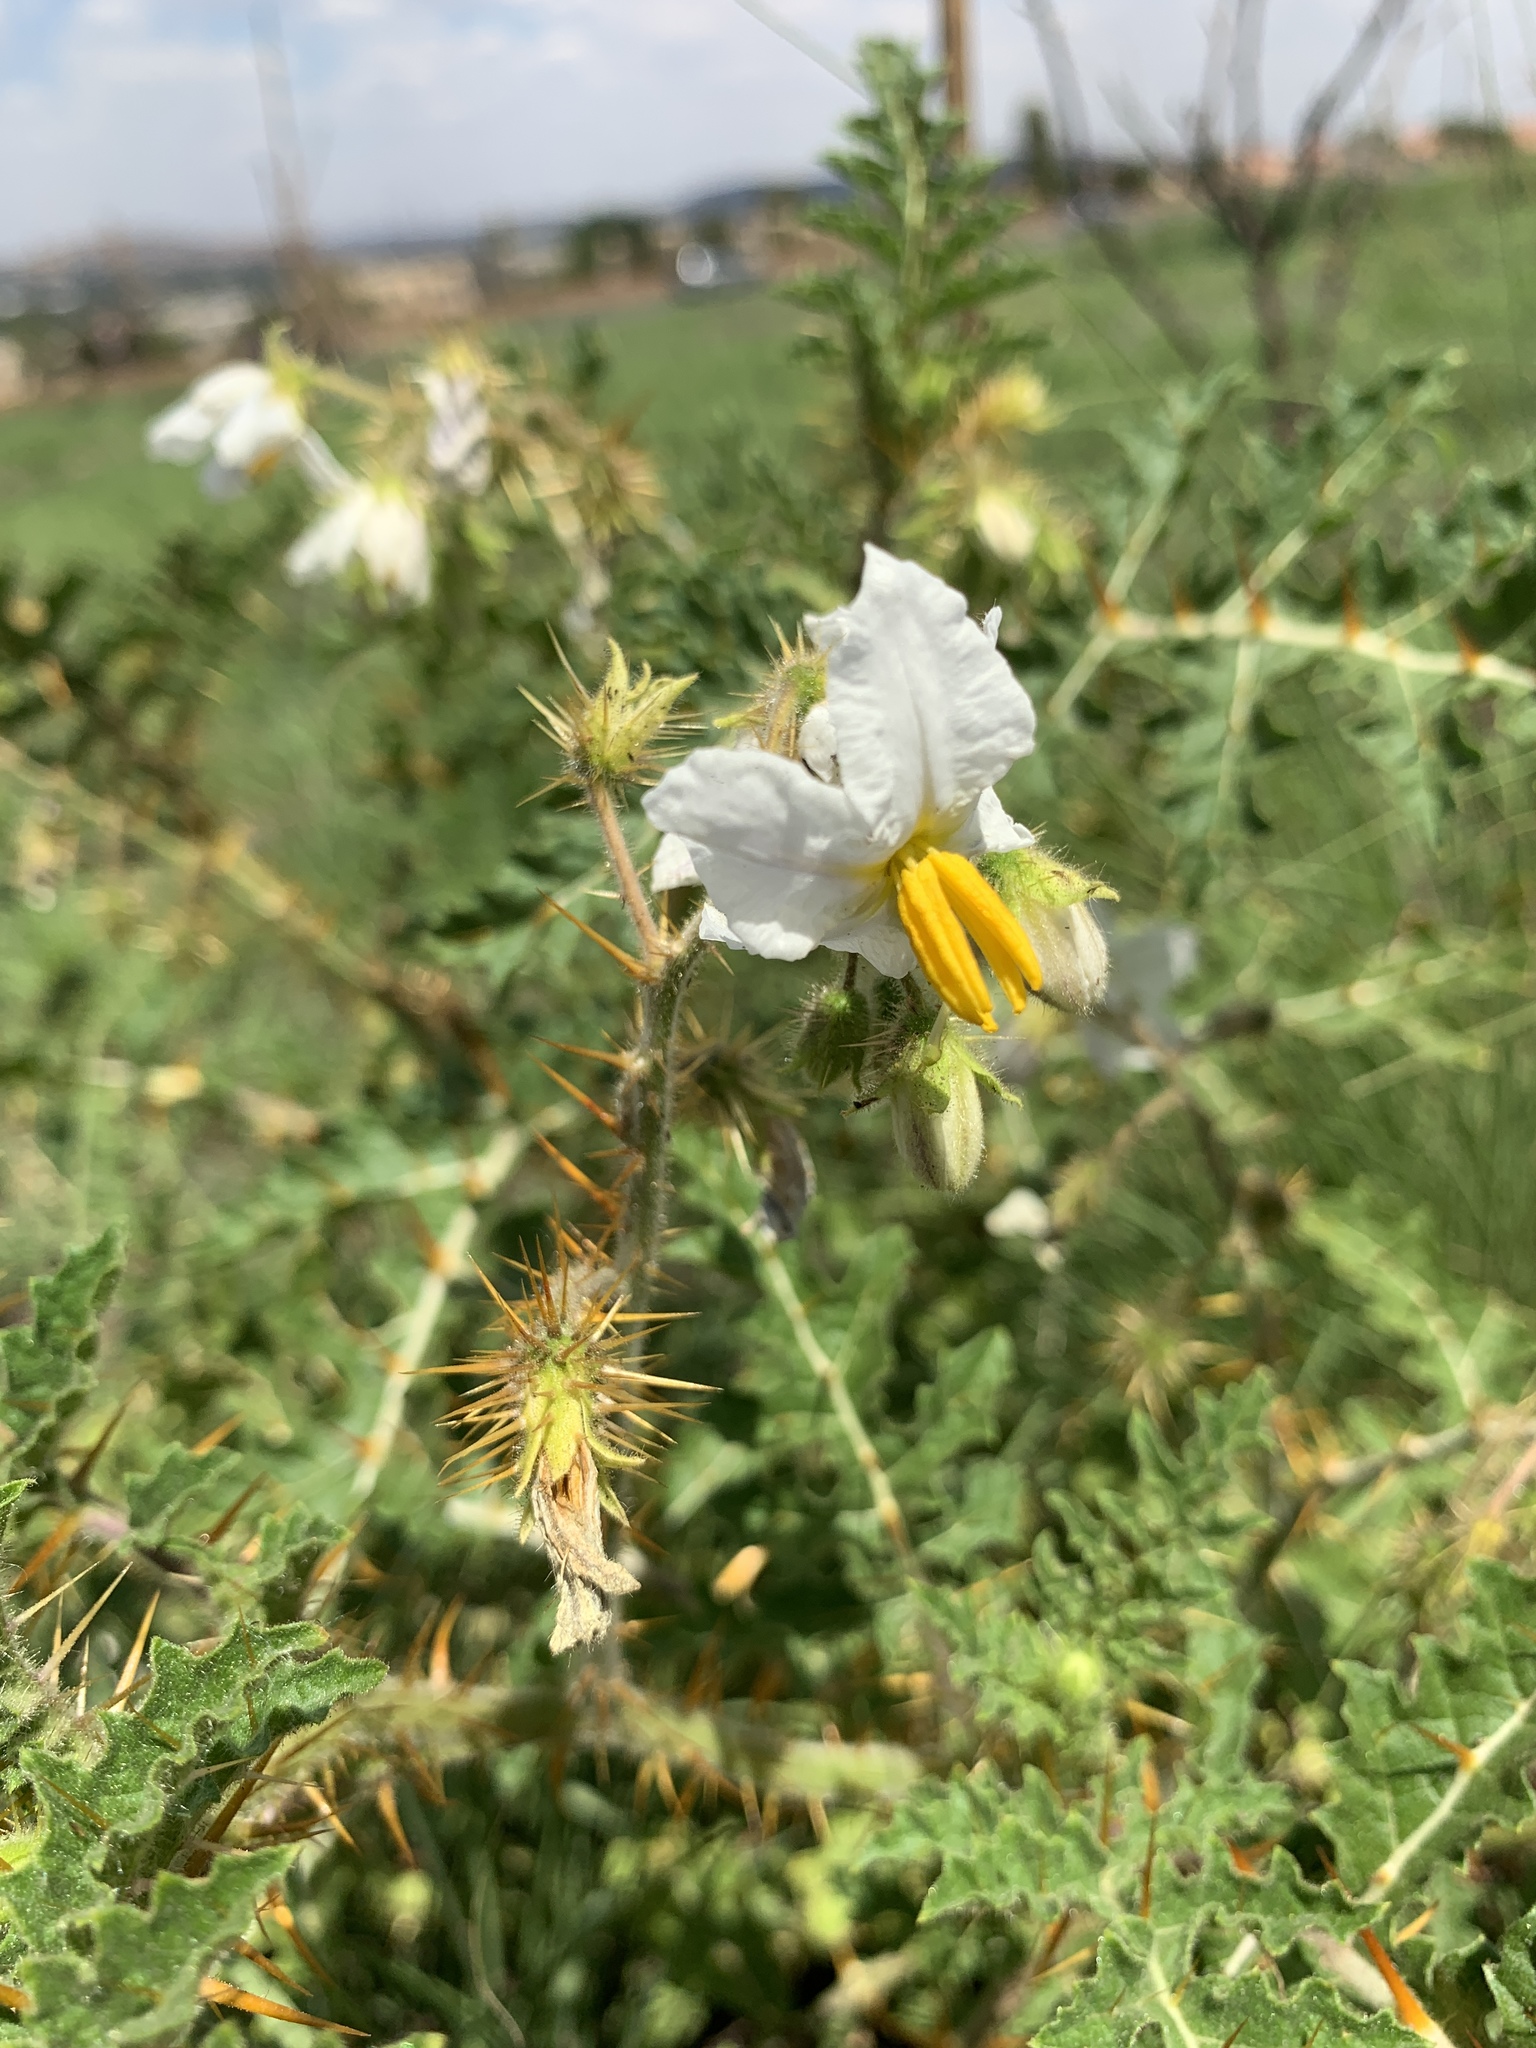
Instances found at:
x=180 y=434
x=231 y=384
x=715 y=931
x=326 y=547
x=881 y=941
x=783 y=857
x=319 y=467
x=818 y=743
x=992 y=623
x=393 y=546
x=672 y=865
x=989 y=829
x=927 y=714
x=222 y=484
x=264 y=425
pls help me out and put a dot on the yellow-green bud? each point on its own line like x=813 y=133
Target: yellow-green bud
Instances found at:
x=937 y=1116
x=1079 y=1676
x=834 y=1036
x=608 y=735
x=1050 y=900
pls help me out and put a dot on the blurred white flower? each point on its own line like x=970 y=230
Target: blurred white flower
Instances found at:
x=922 y=716
x=378 y=526
x=241 y=417
x=459 y=429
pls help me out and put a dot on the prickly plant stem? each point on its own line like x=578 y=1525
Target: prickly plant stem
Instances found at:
x=829 y=1370
x=443 y=1268
x=402 y=1360
x=622 y=862
x=646 y=1099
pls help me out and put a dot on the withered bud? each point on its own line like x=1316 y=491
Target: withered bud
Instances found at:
x=560 y=1403
x=834 y=1036
x=1050 y=900
x=567 y=1513
x=610 y=735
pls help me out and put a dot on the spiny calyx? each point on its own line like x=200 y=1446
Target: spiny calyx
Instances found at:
x=561 y=1402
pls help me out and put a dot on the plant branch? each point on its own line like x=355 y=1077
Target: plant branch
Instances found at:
x=1239 y=620
x=647 y=1094
x=621 y=860
x=829 y=1371
x=444 y=1266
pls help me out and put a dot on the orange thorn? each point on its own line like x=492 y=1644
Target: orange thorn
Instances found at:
x=631 y=966
x=1471 y=656
x=60 y=1533
x=130 y=1672
x=1407 y=2007
x=1110 y=612
x=82 y=1472
x=1352 y=623
x=1249 y=1861
x=604 y=1117
x=216 y=1435
x=267 y=1967
x=587 y=1052
x=327 y=1811
x=1466 y=1758
x=217 y=1992
x=389 y=1808
x=1146 y=1870
x=226 y=1521
x=588 y=1186
x=439 y=1668
x=282 y=1913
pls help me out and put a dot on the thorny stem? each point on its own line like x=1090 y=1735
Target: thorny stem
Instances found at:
x=401 y=1361
x=622 y=862
x=444 y=1265
x=646 y=1097
x=829 y=1370
x=1245 y=621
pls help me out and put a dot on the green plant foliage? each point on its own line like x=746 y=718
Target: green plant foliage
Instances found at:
x=1095 y=1607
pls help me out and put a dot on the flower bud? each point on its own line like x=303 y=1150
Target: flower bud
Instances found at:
x=834 y=1035
x=937 y=1116
x=1050 y=900
x=795 y=684
x=608 y=735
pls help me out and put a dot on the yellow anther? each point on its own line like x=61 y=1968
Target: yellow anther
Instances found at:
x=944 y=904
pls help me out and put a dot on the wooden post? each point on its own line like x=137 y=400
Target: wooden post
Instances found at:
x=957 y=64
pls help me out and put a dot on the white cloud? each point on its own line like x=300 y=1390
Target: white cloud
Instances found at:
x=144 y=113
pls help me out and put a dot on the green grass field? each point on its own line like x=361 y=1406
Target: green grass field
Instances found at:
x=1447 y=262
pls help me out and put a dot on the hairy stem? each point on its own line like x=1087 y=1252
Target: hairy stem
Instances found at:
x=444 y=1266
x=829 y=1370
x=622 y=862
x=646 y=1099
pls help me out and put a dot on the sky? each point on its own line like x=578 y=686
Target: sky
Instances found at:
x=144 y=116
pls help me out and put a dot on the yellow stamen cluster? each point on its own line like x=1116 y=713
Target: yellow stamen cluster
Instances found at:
x=944 y=904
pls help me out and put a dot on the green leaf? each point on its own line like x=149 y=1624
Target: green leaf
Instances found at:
x=1425 y=1767
x=45 y=1365
x=138 y=1984
x=1142 y=1993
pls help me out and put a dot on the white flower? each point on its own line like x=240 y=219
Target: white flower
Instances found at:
x=922 y=717
x=379 y=525
x=240 y=417
x=459 y=430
